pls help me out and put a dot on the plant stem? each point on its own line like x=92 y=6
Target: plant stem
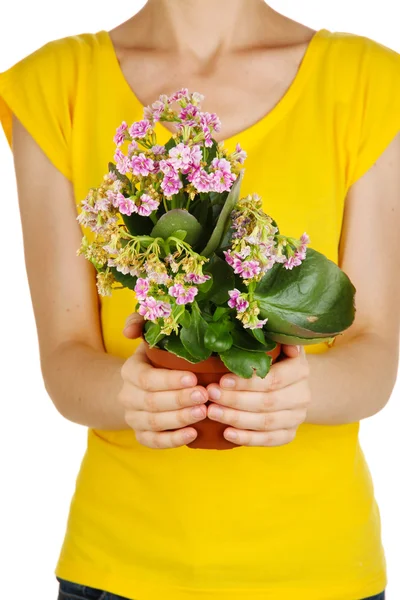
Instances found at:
x=153 y=218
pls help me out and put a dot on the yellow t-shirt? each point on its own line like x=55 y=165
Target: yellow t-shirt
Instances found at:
x=297 y=522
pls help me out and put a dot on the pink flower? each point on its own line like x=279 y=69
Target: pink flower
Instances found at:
x=189 y=115
x=196 y=97
x=210 y=121
x=168 y=168
x=158 y=150
x=305 y=239
x=196 y=155
x=240 y=155
x=222 y=164
x=112 y=197
x=119 y=137
x=148 y=204
x=201 y=180
x=180 y=156
x=142 y=288
x=155 y=111
x=141 y=165
x=197 y=279
x=151 y=309
x=122 y=162
x=234 y=295
x=221 y=181
x=241 y=305
x=102 y=204
x=125 y=205
x=183 y=295
x=228 y=257
x=249 y=269
x=179 y=95
x=255 y=323
x=171 y=185
x=292 y=261
x=140 y=129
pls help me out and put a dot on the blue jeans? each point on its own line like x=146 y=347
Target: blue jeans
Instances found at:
x=73 y=591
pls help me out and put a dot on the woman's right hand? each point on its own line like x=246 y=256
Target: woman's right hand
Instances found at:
x=159 y=400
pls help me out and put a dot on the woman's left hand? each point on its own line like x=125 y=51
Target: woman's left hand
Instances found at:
x=264 y=412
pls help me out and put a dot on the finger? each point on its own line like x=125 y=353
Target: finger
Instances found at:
x=240 y=419
x=281 y=375
x=136 y=399
x=260 y=438
x=142 y=374
x=166 y=439
x=291 y=351
x=162 y=421
x=288 y=398
x=133 y=326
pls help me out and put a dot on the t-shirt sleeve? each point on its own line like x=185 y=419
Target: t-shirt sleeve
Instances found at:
x=373 y=78
x=39 y=90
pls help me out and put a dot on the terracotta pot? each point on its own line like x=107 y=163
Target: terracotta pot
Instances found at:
x=209 y=433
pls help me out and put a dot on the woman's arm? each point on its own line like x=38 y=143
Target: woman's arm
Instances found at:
x=82 y=380
x=355 y=379
x=87 y=385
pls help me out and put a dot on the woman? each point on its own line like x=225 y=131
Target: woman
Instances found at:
x=290 y=513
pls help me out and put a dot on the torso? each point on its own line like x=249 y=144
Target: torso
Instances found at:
x=241 y=86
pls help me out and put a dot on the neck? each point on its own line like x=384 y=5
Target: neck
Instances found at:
x=206 y=27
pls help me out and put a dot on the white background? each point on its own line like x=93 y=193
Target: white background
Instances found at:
x=40 y=451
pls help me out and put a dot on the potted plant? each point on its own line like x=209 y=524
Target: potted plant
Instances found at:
x=218 y=284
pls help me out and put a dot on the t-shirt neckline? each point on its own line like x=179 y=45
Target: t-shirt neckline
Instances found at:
x=262 y=125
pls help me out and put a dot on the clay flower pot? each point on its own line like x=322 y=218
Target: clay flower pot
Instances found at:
x=209 y=433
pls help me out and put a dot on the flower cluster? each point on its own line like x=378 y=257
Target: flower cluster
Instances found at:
x=256 y=247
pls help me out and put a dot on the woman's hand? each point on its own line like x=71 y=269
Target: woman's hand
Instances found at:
x=157 y=400
x=263 y=412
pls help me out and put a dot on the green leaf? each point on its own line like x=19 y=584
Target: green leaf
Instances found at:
x=178 y=219
x=138 y=225
x=180 y=234
x=259 y=335
x=175 y=346
x=170 y=144
x=152 y=333
x=185 y=319
x=224 y=218
x=293 y=340
x=314 y=300
x=245 y=363
x=192 y=337
x=244 y=340
x=220 y=312
x=206 y=286
x=223 y=280
x=217 y=338
x=127 y=281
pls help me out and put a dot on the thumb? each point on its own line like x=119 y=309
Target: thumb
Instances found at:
x=133 y=326
x=292 y=351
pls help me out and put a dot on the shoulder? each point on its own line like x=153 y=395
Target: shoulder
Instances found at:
x=356 y=53
x=62 y=55
x=358 y=62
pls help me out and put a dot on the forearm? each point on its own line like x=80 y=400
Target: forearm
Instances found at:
x=84 y=384
x=353 y=381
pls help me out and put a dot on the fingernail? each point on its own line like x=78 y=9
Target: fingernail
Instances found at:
x=216 y=412
x=214 y=393
x=298 y=349
x=231 y=435
x=228 y=382
x=197 y=412
x=187 y=381
x=197 y=396
x=189 y=436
